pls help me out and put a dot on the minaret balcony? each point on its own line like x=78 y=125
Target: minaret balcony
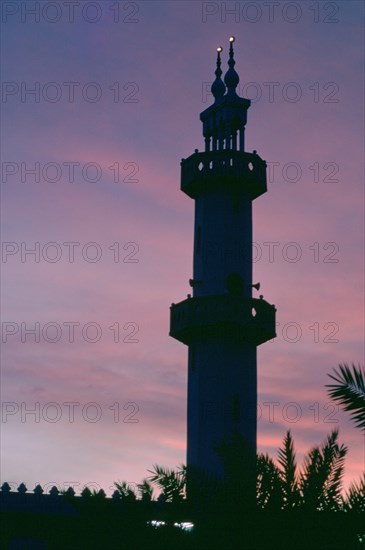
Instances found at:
x=237 y=171
x=226 y=316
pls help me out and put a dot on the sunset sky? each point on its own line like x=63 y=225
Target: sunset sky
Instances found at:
x=118 y=87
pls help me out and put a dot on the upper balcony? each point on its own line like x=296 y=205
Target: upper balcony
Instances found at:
x=229 y=169
x=224 y=316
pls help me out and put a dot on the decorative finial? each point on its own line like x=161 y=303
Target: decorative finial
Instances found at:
x=231 y=77
x=218 y=88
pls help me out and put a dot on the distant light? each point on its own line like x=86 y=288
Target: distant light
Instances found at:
x=184 y=525
x=232 y=39
x=219 y=49
x=155 y=523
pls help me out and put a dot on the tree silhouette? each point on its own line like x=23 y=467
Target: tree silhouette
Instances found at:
x=145 y=490
x=288 y=472
x=355 y=496
x=126 y=492
x=320 y=482
x=316 y=487
x=349 y=391
x=269 y=488
x=171 y=482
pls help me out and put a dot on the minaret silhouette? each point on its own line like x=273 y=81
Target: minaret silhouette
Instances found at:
x=222 y=324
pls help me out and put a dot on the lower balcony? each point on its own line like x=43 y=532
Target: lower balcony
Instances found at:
x=230 y=317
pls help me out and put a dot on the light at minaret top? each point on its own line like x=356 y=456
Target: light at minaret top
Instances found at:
x=225 y=162
x=224 y=121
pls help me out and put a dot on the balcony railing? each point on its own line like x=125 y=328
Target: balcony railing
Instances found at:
x=245 y=172
x=224 y=316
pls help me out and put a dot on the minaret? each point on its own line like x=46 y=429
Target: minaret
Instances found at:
x=222 y=324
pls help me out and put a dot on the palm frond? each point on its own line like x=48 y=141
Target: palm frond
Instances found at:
x=334 y=465
x=349 y=391
x=288 y=472
x=355 y=496
x=171 y=482
x=125 y=490
x=309 y=479
x=145 y=490
x=320 y=481
x=269 y=492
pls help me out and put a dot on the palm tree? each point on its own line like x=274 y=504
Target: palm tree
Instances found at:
x=171 y=482
x=269 y=489
x=349 y=391
x=126 y=492
x=355 y=496
x=288 y=472
x=316 y=487
x=145 y=490
x=320 y=481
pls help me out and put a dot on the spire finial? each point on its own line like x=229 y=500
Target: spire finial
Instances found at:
x=231 y=77
x=218 y=88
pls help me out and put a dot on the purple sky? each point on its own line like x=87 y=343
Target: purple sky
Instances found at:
x=304 y=67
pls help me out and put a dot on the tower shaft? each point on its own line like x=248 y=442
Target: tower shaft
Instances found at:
x=222 y=241
x=222 y=399
x=221 y=323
